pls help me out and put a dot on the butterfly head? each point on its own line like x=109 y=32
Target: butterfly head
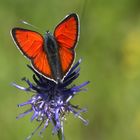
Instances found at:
x=47 y=31
x=49 y=37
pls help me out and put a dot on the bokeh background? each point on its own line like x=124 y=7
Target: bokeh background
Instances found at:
x=109 y=46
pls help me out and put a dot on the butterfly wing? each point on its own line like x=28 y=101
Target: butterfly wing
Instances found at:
x=66 y=34
x=30 y=43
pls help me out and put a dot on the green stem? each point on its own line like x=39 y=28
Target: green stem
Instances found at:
x=61 y=132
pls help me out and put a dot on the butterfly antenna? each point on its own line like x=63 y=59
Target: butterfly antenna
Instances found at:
x=25 y=22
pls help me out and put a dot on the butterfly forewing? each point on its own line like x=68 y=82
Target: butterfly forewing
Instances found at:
x=29 y=42
x=66 y=33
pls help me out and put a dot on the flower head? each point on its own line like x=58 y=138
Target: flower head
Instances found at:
x=50 y=102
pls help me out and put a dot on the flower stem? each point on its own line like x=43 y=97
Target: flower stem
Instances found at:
x=60 y=134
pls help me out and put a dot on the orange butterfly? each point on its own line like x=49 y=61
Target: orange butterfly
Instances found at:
x=52 y=55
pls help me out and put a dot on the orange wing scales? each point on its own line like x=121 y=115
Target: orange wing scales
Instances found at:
x=67 y=57
x=41 y=63
x=31 y=44
x=66 y=34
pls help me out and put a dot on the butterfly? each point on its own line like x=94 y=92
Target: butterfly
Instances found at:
x=53 y=55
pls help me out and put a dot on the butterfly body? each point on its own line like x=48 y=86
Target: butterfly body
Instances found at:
x=51 y=49
x=52 y=55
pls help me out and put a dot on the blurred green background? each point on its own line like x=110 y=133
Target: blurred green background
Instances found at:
x=110 y=48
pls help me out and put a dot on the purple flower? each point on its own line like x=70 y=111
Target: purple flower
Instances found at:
x=50 y=102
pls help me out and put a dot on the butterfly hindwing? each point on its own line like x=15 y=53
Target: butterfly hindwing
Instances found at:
x=66 y=34
x=41 y=63
x=31 y=44
x=67 y=58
